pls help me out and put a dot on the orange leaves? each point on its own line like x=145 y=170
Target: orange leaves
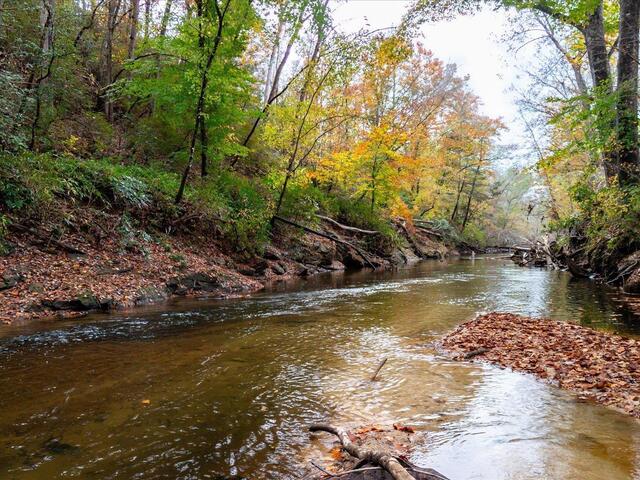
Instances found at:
x=598 y=365
x=403 y=428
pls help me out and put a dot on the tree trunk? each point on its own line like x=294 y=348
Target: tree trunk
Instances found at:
x=597 y=52
x=38 y=75
x=107 y=57
x=166 y=16
x=272 y=59
x=133 y=28
x=147 y=18
x=204 y=145
x=468 y=207
x=627 y=106
x=455 y=208
x=598 y=55
x=200 y=12
x=204 y=82
x=294 y=36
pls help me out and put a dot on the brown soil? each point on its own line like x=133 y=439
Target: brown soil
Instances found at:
x=42 y=282
x=597 y=365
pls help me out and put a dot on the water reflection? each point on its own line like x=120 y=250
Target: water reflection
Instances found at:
x=233 y=384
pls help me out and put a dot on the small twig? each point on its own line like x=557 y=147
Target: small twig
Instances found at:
x=379 y=368
x=624 y=272
x=321 y=469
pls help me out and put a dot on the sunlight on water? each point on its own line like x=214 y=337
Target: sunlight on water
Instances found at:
x=233 y=384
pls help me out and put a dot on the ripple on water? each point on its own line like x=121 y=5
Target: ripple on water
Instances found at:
x=232 y=385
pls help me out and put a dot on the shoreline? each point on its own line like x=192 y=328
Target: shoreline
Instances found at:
x=598 y=366
x=48 y=282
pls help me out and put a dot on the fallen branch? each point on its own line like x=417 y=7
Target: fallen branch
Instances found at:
x=410 y=239
x=347 y=227
x=114 y=271
x=475 y=353
x=624 y=272
x=389 y=463
x=379 y=368
x=47 y=238
x=328 y=237
x=429 y=231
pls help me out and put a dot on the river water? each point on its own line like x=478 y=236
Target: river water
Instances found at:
x=206 y=388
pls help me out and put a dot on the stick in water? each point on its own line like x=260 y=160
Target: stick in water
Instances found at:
x=379 y=368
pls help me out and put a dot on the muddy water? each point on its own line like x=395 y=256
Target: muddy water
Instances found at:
x=231 y=385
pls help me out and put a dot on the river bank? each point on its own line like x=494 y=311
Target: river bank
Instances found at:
x=41 y=278
x=596 y=365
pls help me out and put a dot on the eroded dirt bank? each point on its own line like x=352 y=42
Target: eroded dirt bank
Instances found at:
x=596 y=365
x=44 y=278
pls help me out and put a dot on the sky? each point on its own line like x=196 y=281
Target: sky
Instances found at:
x=471 y=42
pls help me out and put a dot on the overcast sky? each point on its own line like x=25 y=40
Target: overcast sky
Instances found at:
x=471 y=42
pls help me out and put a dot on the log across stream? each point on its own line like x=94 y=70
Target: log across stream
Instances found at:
x=230 y=387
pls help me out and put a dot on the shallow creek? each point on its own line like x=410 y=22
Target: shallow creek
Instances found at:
x=197 y=389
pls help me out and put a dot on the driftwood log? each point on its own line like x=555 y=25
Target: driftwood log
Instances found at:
x=327 y=236
x=391 y=467
x=347 y=227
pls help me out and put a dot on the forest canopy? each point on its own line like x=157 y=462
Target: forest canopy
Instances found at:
x=249 y=109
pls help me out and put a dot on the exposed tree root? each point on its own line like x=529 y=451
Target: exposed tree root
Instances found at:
x=393 y=467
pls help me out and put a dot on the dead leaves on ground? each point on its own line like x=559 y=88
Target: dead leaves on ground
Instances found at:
x=107 y=273
x=597 y=365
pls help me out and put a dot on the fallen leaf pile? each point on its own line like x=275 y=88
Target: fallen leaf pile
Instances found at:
x=109 y=274
x=601 y=366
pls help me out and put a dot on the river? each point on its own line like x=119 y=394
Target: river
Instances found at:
x=197 y=389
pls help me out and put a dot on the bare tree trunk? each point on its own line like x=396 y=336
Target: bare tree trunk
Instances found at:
x=627 y=106
x=113 y=7
x=294 y=36
x=594 y=37
x=133 y=28
x=468 y=207
x=166 y=16
x=598 y=55
x=147 y=18
x=455 y=208
x=200 y=8
x=48 y=54
x=273 y=92
x=272 y=60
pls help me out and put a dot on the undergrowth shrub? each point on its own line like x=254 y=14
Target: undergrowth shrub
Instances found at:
x=609 y=216
x=474 y=235
x=241 y=206
x=32 y=185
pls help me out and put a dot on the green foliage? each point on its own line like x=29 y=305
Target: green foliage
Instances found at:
x=174 y=86
x=475 y=235
x=12 y=137
x=611 y=214
x=33 y=184
x=240 y=205
x=359 y=214
x=4 y=229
